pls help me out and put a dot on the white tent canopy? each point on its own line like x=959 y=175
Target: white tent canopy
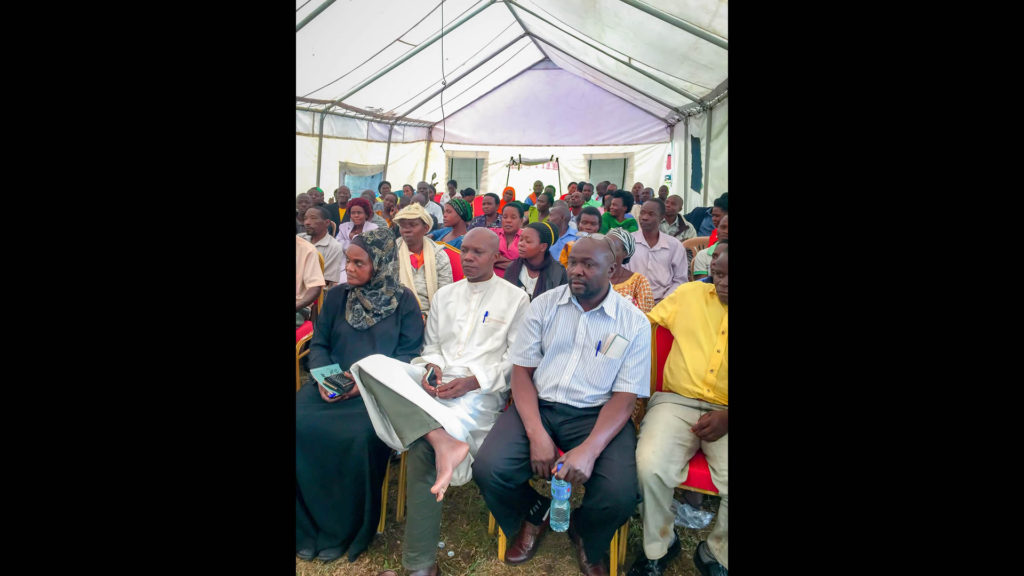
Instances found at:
x=407 y=85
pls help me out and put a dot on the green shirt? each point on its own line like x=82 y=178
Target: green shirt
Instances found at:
x=608 y=222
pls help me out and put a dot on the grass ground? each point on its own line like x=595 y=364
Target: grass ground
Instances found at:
x=464 y=532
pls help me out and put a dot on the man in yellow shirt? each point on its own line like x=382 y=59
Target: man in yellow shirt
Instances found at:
x=691 y=413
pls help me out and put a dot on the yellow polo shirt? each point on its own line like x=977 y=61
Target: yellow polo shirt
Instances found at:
x=698 y=363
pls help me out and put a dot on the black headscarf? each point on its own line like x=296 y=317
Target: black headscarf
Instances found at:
x=378 y=298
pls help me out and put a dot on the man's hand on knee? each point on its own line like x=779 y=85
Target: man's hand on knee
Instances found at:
x=712 y=426
x=542 y=455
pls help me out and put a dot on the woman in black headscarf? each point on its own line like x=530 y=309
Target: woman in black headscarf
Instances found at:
x=535 y=271
x=339 y=461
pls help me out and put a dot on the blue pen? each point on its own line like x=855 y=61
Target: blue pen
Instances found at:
x=598 y=349
x=485 y=316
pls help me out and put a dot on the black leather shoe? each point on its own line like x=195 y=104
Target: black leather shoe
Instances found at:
x=330 y=554
x=706 y=563
x=643 y=566
x=307 y=553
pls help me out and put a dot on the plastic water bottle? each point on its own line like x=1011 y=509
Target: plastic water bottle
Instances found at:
x=560 y=492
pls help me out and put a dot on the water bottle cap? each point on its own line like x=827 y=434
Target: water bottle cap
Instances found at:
x=559 y=468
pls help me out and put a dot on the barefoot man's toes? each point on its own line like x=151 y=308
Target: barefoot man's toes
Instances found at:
x=448 y=454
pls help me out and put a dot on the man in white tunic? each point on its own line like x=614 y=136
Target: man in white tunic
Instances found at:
x=469 y=334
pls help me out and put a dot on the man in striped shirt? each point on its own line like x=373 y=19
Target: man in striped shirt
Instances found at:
x=583 y=360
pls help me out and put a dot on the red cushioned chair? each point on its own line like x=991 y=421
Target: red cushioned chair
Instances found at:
x=455 y=257
x=699 y=476
x=304 y=333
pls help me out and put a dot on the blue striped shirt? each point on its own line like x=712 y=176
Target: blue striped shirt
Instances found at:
x=559 y=339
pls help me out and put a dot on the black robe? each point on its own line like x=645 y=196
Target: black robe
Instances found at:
x=339 y=461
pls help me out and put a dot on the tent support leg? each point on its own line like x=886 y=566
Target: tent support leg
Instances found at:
x=387 y=154
x=319 y=148
x=426 y=157
x=707 y=162
x=686 y=164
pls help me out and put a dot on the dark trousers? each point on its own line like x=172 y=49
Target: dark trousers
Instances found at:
x=502 y=471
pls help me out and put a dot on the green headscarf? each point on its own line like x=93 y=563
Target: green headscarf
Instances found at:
x=462 y=208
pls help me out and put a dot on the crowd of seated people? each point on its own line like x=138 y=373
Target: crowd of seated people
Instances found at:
x=554 y=311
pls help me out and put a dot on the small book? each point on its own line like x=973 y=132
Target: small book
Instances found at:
x=332 y=380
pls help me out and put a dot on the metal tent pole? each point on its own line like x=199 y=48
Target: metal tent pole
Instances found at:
x=426 y=157
x=678 y=23
x=412 y=53
x=319 y=148
x=707 y=162
x=680 y=91
x=313 y=14
x=686 y=164
x=461 y=76
x=387 y=154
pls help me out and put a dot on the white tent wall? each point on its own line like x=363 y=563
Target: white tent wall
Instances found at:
x=646 y=162
x=696 y=126
x=718 y=160
x=547 y=106
x=405 y=161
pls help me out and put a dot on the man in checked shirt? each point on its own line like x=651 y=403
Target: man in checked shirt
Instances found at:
x=581 y=360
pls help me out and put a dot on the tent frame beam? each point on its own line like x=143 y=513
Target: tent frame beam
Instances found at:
x=389 y=68
x=413 y=52
x=350 y=116
x=361 y=113
x=630 y=87
x=493 y=55
x=679 y=23
x=313 y=14
x=680 y=91
x=523 y=26
x=480 y=97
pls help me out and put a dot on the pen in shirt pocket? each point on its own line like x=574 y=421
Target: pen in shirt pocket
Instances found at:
x=486 y=312
x=598 y=349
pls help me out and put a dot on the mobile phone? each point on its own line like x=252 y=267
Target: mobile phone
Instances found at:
x=340 y=383
x=431 y=377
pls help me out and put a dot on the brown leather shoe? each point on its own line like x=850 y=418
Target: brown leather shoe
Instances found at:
x=525 y=544
x=587 y=567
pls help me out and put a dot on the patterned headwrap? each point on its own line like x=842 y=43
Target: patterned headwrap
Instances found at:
x=414 y=212
x=627 y=240
x=378 y=298
x=362 y=203
x=462 y=208
x=545 y=231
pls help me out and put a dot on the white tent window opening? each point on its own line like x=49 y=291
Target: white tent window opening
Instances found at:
x=467 y=172
x=604 y=86
x=610 y=169
x=359 y=177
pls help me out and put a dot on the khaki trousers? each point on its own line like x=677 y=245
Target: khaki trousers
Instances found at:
x=663 y=452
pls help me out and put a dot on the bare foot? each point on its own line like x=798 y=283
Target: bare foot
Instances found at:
x=448 y=454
